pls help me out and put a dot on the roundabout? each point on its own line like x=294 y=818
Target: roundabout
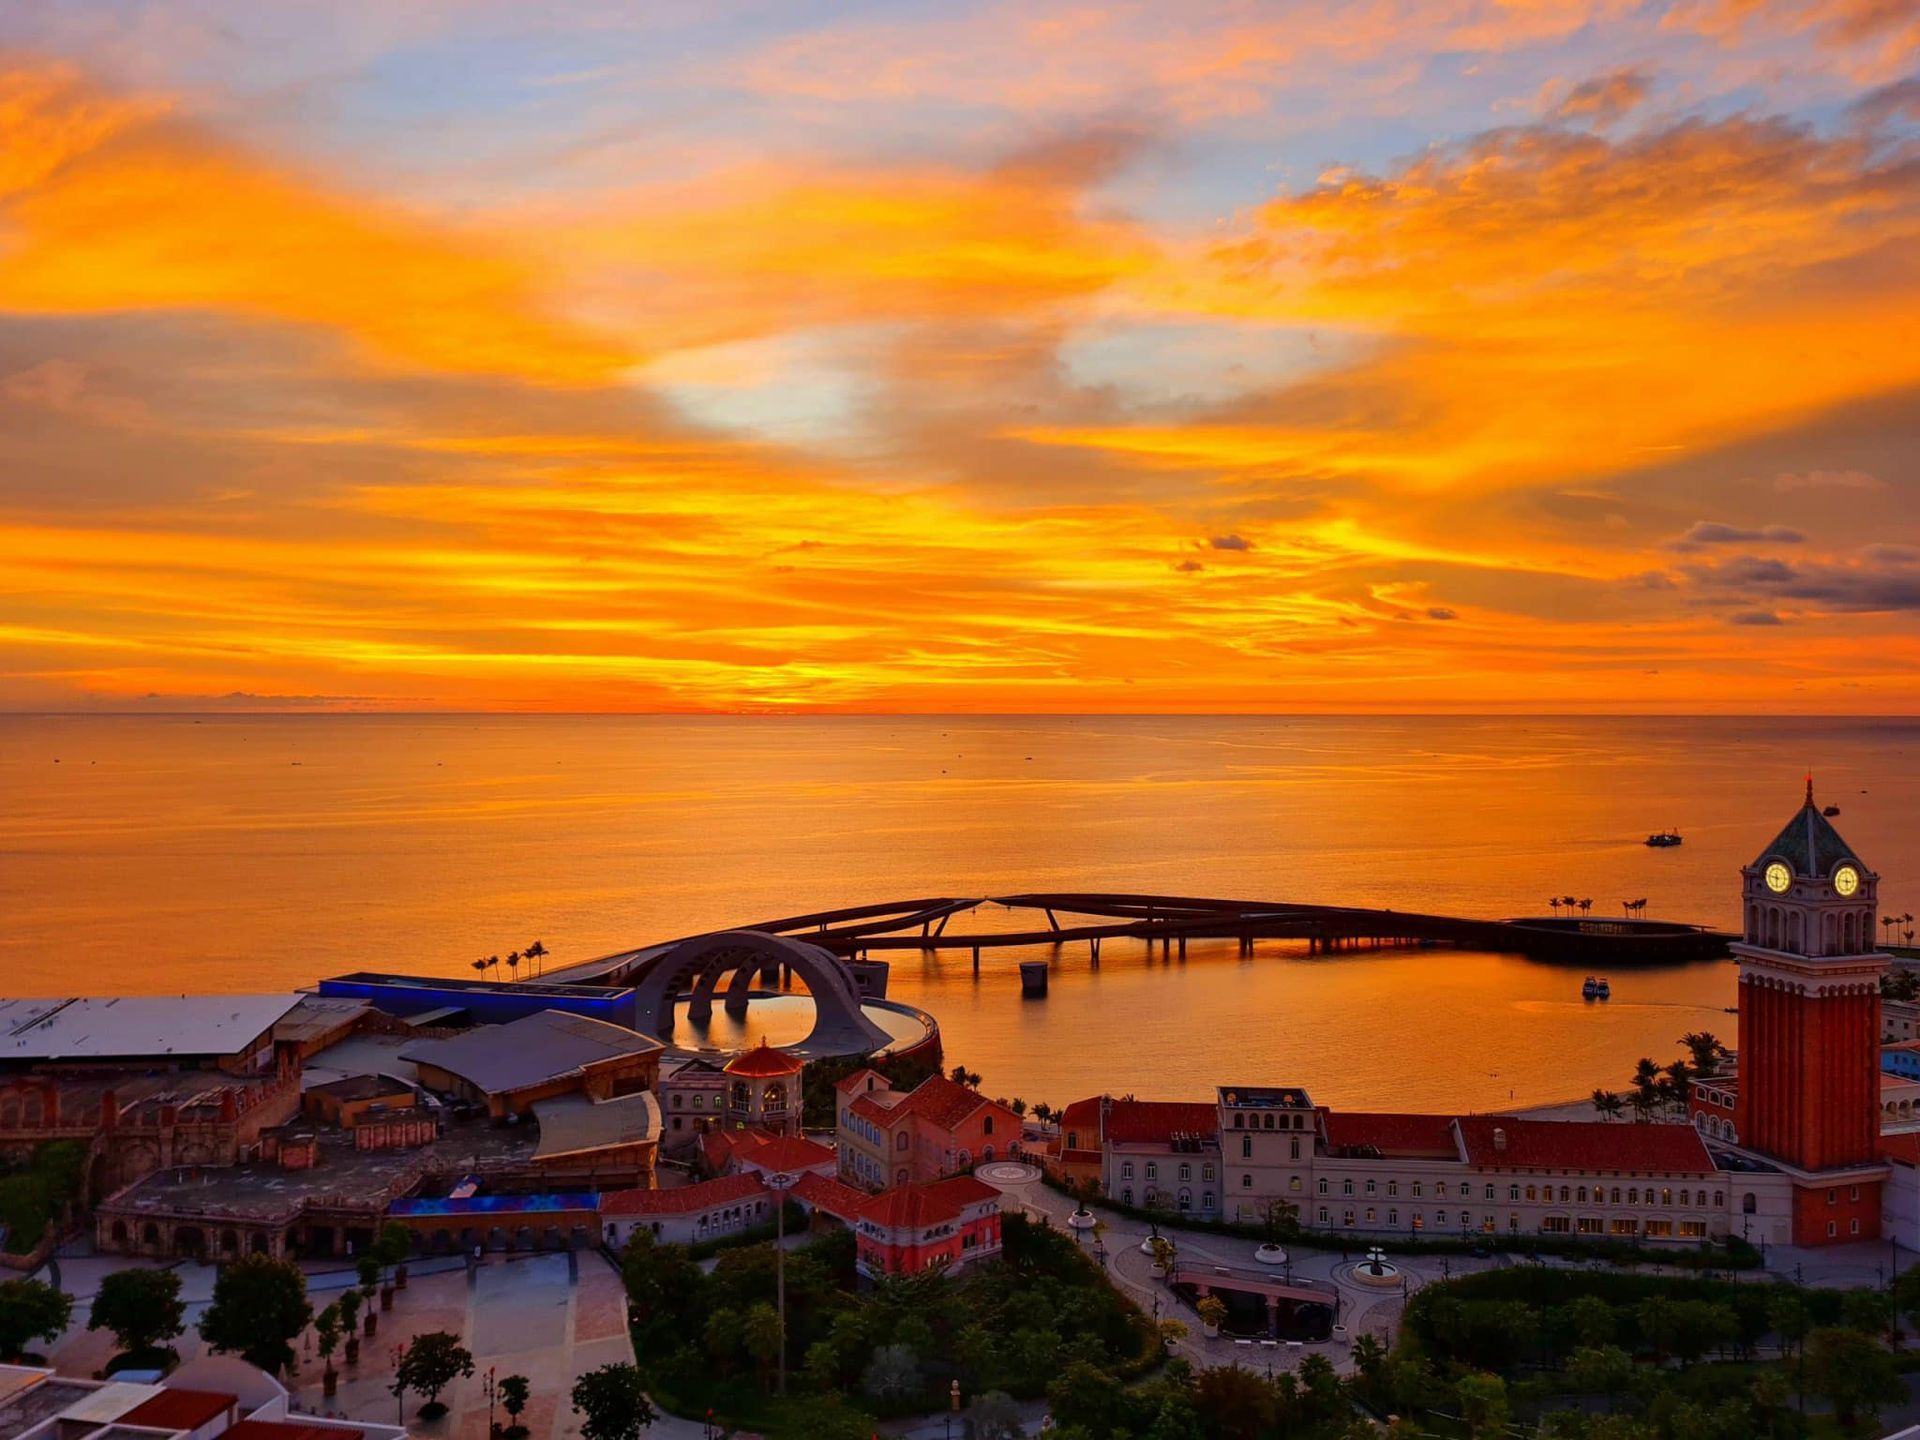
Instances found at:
x=1003 y=1173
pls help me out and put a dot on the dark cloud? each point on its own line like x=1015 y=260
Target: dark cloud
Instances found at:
x=1230 y=542
x=1884 y=582
x=1189 y=567
x=1898 y=101
x=1605 y=97
x=1755 y=617
x=1441 y=612
x=1713 y=532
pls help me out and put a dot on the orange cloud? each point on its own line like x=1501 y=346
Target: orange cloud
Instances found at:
x=112 y=205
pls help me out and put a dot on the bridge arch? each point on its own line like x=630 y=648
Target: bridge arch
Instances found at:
x=839 y=1026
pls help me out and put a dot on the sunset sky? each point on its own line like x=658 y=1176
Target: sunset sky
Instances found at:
x=1341 y=355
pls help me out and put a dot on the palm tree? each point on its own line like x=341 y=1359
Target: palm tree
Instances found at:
x=1554 y=901
x=1677 y=1083
x=494 y=961
x=513 y=963
x=536 y=951
x=1586 y=906
x=1705 y=1048
x=1907 y=920
x=1569 y=902
x=1887 y=922
x=481 y=966
x=1646 y=1089
x=1608 y=1103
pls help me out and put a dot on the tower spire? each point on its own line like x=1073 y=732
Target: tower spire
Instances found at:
x=1809 y=787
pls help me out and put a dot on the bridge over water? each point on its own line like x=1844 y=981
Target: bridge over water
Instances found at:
x=935 y=925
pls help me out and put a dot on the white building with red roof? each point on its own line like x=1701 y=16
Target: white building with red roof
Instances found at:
x=887 y=1137
x=688 y=1214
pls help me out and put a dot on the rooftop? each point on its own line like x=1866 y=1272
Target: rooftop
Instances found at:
x=530 y=1051
x=788 y=1152
x=1516 y=1144
x=1159 y=1122
x=1809 y=843
x=763 y=1062
x=137 y=1027
x=1359 y=1133
x=174 y=1409
x=683 y=1199
x=916 y=1207
x=575 y=1125
x=1265 y=1097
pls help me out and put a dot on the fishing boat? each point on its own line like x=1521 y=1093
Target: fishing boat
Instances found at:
x=1664 y=839
x=1591 y=989
x=1602 y=990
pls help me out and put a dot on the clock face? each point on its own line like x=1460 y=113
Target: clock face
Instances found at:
x=1778 y=878
x=1846 y=879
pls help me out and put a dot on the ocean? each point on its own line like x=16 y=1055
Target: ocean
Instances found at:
x=154 y=854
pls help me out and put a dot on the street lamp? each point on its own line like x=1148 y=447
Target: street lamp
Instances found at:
x=780 y=1183
x=953 y=1406
x=492 y=1391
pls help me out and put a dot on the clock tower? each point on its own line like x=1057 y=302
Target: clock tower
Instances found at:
x=1809 y=1054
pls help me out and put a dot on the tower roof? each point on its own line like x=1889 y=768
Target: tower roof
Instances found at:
x=1809 y=843
x=763 y=1062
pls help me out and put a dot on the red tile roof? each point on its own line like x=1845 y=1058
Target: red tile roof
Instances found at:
x=763 y=1062
x=825 y=1193
x=1583 y=1145
x=1903 y=1147
x=858 y=1080
x=175 y=1409
x=1079 y=1121
x=723 y=1147
x=684 y=1199
x=1155 y=1122
x=789 y=1152
x=1384 y=1133
x=939 y=1101
x=915 y=1207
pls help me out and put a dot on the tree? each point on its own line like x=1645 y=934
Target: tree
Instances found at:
x=513 y=1399
x=1608 y=1103
x=1369 y=1359
x=760 y=1335
x=1605 y=1368
x=1676 y=1082
x=1087 y=1396
x=892 y=1374
x=368 y=1273
x=1872 y=1311
x=349 y=1306
x=1213 y=1314
x=612 y=1403
x=31 y=1310
x=960 y=1075
x=142 y=1308
x=1707 y=1051
x=1483 y=1404
x=259 y=1308
x=664 y=1289
x=1646 y=1089
x=1852 y=1371
x=513 y=964
x=1235 y=1404
x=1591 y=1320
x=326 y=1336
x=431 y=1363
x=392 y=1248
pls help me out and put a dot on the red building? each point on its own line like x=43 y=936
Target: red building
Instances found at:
x=1808 y=1097
x=888 y=1137
x=953 y=1222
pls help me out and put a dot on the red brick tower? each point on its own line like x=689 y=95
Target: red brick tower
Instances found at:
x=1809 y=1096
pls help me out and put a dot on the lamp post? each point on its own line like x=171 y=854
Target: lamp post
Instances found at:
x=492 y=1390
x=399 y=1390
x=953 y=1406
x=780 y=1183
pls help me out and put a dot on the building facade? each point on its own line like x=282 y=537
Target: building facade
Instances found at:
x=888 y=1137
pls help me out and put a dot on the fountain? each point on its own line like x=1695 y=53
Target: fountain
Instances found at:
x=1375 y=1269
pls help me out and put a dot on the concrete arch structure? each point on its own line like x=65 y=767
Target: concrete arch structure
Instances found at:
x=696 y=967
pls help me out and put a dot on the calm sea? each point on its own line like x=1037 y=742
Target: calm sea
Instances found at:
x=158 y=854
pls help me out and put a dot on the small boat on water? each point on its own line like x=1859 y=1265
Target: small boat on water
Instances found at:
x=1831 y=810
x=1664 y=839
x=1596 y=989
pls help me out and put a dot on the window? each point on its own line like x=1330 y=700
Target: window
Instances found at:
x=1206 y=1171
x=1556 y=1224
x=1853 y=1227
x=1206 y=1199
x=1628 y=1226
x=1293 y=1149
x=1513 y=1222
x=1370 y=1215
x=1853 y=1192
x=1588 y=1225
x=987 y=1126
x=1582 y=1193
x=1686 y=1198
x=1323 y=1184
x=1186 y=1172
x=1513 y=1192
x=1293 y=1183
x=1693 y=1229
x=1666 y=1195
x=1323 y=1214
x=1126 y=1196
x=1440 y=1188
x=1659 y=1229
x=1719 y=1199
x=1370 y=1187
x=900 y=1141
x=1615 y=1198
x=1346 y=1186
x=1530 y=1193
x=1633 y=1195
x=1268 y=1121
x=1246 y=1182
x=1566 y=1196
x=1419 y=1221
x=1439 y=1217
x=1393 y=1217
x=1417 y=1188
x=1832 y=1229
x=1393 y=1187
x=1246 y=1146
x=1489 y=1192
x=1748 y=1204
x=1239 y=1120
x=1347 y=1219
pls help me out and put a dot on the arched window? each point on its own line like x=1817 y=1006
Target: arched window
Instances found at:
x=1748 y=1204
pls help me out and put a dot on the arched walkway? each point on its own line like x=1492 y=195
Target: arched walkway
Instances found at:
x=839 y=1027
